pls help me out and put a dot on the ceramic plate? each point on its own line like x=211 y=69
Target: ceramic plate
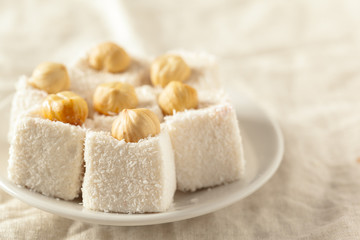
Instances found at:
x=263 y=147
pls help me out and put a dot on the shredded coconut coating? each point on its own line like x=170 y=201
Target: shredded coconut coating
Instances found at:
x=47 y=157
x=207 y=146
x=25 y=98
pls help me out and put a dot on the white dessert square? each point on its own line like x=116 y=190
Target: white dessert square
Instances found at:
x=207 y=146
x=47 y=157
x=84 y=79
x=25 y=98
x=204 y=69
x=128 y=177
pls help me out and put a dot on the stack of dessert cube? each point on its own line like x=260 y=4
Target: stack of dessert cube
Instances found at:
x=124 y=132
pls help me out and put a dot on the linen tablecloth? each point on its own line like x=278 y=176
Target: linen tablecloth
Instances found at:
x=300 y=59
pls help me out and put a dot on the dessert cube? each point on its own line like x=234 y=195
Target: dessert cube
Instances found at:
x=207 y=146
x=204 y=69
x=84 y=79
x=25 y=98
x=47 y=157
x=128 y=177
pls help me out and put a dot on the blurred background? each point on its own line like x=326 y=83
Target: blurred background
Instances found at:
x=300 y=59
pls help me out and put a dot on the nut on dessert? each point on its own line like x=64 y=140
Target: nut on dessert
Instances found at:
x=135 y=124
x=50 y=77
x=169 y=68
x=177 y=96
x=110 y=98
x=66 y=107
x=109 y=57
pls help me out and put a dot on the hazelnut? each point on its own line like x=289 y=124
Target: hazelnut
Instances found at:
x=169 y=68
x=66 y=107
x=110 y=98
x=177 y=96
x=110 y=57
x=135 y=124
x=50 y=77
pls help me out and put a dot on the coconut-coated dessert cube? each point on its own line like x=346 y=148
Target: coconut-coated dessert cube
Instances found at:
x=128 y=177
x=84 y=79
x=204 y=69
x=207 y=146
x=26 y=97
x=47 y=157
x=136 y=75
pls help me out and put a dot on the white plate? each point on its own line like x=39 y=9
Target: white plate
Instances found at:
x=263 y=145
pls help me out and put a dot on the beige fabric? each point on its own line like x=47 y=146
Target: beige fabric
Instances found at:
x=300 y=59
